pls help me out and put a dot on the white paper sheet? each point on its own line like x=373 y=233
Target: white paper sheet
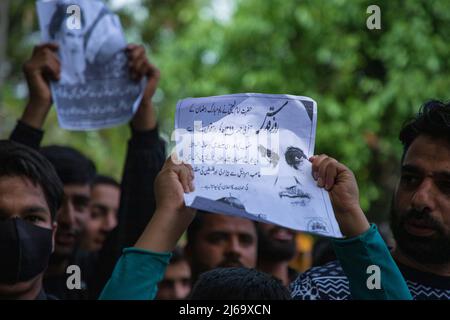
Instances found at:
x=95 y=90
x=250 y=157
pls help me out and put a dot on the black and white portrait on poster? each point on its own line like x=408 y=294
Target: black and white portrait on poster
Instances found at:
x=95 y=90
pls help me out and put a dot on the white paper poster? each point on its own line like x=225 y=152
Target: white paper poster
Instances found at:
x=95 y=90
x=250 y=157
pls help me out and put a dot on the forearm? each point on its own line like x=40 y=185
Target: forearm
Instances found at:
x=164 y=230
x=139 y=269
x=35 y=114
x=145 y=158
x=353 y=222
x=357 y=254
x=145 y=117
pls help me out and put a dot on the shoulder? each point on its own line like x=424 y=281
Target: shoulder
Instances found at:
x=327 y=282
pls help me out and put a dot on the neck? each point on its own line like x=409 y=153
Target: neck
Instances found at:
x=278 y=269
x=437 y=269
x=28 y=290
x=57 y=266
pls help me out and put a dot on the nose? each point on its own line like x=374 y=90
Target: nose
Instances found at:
x=110 y=221
x=233 y=247
x=180 y=290
x=422 y=198
x=66 y=215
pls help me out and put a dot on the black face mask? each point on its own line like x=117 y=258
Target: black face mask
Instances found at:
x=24 y=250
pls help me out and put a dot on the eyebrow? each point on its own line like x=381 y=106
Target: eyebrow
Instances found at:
x=81 y=197
x=28 y=210
x=414 y=169
x=35 y=209
x=218 y=232
x=100 y=206
x=443 y=175
x=228 y=233
x=411 y=168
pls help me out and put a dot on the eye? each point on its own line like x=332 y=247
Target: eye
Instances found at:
x=80 y=203
x=34 y=219
x=98 y=212
x=294 y=157
x=186 y=282
x=410 y=180
x=444 y=186
x=166 y=284
x=95 y=213
x=216 y=238
x=269 y=155
x=246 y=240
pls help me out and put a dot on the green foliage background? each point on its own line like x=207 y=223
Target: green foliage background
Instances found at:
x=366 y=82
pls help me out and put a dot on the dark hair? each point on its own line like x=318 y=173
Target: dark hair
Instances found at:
x=19 y=160
x=177 y=255
x=195 y=226
x=322 y=252
x=101 y=179
x=238 y=284
x=72 y=167
x=433 y=119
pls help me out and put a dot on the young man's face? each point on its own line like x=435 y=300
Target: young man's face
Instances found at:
x=176 y=284
x=20 y=198
x=72 y=218
x=420 y=217
x=102 y=220
x=223 y=241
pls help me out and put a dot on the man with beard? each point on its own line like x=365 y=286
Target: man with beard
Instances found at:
x=217 y=240
x=276 y=248
x=420 y=215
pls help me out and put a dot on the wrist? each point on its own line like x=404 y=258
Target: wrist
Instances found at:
x=175 y=217
x=353 y=223
x=144 y=118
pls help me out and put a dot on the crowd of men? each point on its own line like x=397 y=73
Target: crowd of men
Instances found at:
x=56 y=211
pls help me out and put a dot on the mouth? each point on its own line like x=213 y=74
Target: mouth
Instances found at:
x=99 y=241
x=419 y=228
x=65 y=238
x=294 y=192
x=230 y=264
